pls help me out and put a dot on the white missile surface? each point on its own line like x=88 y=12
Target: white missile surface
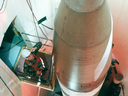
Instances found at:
x=82 y=45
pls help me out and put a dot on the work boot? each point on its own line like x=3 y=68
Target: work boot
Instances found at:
x=45 y=69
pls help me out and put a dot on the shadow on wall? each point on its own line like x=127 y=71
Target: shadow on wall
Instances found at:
x=10 y=48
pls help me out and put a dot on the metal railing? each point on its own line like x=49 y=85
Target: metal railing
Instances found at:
x=39 y=38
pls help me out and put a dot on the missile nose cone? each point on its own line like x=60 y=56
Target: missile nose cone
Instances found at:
x=82 y=44
x=84 y=5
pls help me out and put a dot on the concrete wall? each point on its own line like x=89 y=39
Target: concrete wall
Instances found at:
x=119 y=10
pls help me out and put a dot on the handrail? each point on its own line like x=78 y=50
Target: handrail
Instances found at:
x=36 y=42
x=36 y=36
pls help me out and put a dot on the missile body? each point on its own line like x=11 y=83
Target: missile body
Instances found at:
x=82 y=46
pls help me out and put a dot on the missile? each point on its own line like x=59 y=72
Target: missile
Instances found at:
x=82 y=46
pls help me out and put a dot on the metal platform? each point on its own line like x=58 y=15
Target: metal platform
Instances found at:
x=48 y=79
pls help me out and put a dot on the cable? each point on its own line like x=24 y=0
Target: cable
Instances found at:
x=2 y=5
x=31 y=10
x=47 y=27
x=30 y=6
x=36 y=20
x=34 y=15
x=12 y=46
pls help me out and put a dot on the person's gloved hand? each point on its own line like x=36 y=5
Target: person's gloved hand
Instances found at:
x=38 y=72
x=33 y=49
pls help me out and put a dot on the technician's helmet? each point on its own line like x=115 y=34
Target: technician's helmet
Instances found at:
x=25 y=53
